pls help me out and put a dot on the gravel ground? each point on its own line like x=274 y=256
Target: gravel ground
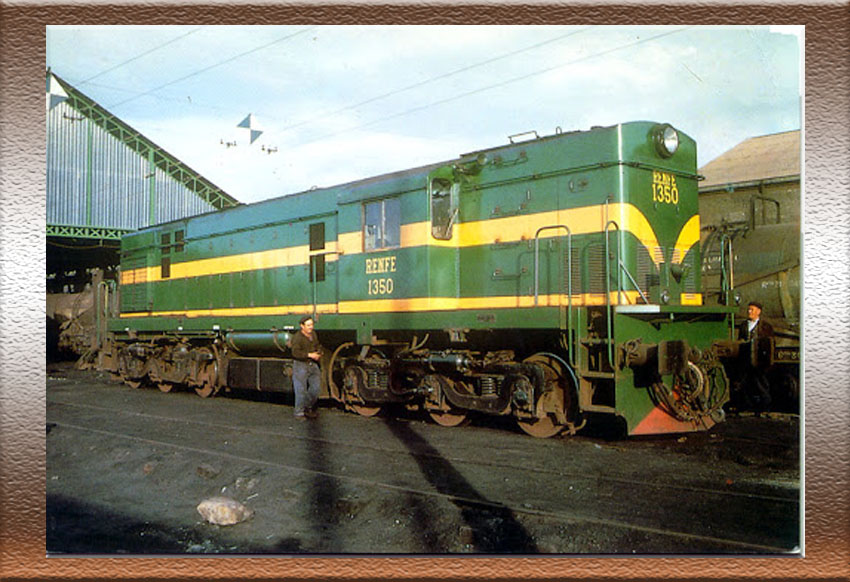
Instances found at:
x=126 y=470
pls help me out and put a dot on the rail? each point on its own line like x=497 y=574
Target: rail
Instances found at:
x=727 y=274
x=621 y=268
x=313 y=269
x=569 y=275
x=608 y=305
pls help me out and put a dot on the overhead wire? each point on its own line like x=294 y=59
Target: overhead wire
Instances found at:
x=214 y=65
x=360 y=103
x=493 y=86
x=140 y=55
x=432 y=79
x=395 y=91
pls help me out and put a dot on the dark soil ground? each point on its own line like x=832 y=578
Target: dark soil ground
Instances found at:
x=126 y=469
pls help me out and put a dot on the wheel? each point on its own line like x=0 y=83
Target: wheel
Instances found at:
x=337 y=373
x=439 y=409
x=448 y=418
x=165 y=386
x=366 y=411
x=544 y=426
x=541 y=428
x=133 y=383
x=354 y=377
x=207 y=378
x=205 y=390
x=553 y=408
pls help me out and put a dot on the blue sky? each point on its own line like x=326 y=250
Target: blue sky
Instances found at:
x=340 y=103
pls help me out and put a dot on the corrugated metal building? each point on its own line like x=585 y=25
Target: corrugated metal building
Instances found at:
x=104 y=178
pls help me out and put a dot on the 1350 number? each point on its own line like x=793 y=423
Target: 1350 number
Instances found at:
x=664 y=188
x=383 y=286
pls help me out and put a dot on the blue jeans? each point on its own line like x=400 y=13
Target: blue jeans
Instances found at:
x=307 y=381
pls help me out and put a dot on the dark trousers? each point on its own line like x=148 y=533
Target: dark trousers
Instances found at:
x=307 y=381
x=756 y=389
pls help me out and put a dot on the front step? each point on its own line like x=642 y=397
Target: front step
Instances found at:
x=597 y=375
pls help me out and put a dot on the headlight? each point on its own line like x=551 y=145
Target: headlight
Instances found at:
x=666 y=140
x=665 y=297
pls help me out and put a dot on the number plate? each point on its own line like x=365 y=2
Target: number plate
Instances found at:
x=664 y=188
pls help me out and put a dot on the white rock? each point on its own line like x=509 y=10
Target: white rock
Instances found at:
x=223 y=511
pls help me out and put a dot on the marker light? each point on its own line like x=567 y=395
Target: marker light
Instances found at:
x=666 y=140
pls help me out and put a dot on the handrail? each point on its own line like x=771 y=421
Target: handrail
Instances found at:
x=727 y=274
x=569 y=275
x=313 y=269
x=610 y=322
x=726 y=271
x=632 y=279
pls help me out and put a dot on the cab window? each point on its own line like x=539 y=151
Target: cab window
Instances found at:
x=443 y=208
x=382 y=224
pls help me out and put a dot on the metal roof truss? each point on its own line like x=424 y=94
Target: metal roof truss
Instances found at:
x=176 y=169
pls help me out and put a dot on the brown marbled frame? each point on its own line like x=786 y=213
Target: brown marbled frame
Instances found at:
x=22 y=247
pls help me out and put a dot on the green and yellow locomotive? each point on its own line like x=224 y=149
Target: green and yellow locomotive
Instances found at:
x=547 y=279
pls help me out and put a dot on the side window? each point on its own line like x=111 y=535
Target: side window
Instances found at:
x=165 y=247
x=317 y=268
x=443 y=208
x=165 y=262
x=317 y=236
x=382 y=224
x=317 y=243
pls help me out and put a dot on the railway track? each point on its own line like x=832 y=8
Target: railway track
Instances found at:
x=672 y=487
x=423 y=463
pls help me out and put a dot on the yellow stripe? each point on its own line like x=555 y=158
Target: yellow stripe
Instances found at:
x=271 y=259
x=239 y=311
x=350 y=243
x=585 y=220
x=420 y=304
x=411 y=305
x=688 y=237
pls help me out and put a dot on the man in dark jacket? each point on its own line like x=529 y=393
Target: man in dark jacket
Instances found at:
x=756 y=332
x=755 y=326
x=306 y=376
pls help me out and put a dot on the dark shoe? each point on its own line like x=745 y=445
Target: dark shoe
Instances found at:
x=311 y=414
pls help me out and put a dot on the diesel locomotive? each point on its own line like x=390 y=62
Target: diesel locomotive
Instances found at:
x=550 y=279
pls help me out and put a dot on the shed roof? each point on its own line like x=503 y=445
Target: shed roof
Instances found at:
x=105 y=178
x=767 y=157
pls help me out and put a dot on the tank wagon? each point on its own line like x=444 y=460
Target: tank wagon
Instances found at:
x=548 y=279
x=751 y=252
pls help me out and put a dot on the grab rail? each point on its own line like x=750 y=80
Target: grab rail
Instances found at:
x=313 y=269
x=632 y=279
x=569 y=274
x=608 y=306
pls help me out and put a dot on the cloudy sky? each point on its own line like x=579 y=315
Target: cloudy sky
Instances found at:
x=340 y=103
